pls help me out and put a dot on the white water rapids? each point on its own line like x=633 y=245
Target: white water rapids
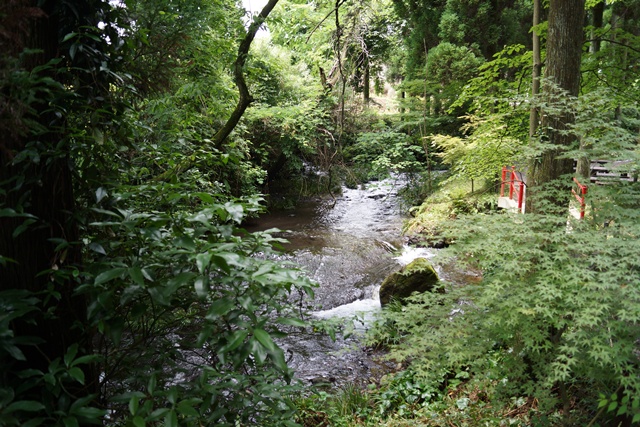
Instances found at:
x=348 y=248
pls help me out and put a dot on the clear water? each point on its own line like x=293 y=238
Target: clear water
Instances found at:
x=348 y=246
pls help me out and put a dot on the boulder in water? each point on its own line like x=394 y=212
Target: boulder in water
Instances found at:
x=417 y=276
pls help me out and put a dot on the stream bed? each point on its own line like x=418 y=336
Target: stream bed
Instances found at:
x=348 y=246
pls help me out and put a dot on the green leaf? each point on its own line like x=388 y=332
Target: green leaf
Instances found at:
x=185 y=242
x=101 y=193
x=96 y=247
x=205 y=197
x=69 y=36
x=138 y=421
x=171 y=419
x=185 y=407
x=264 y=268
x=109 y=275
x=264 y=338
x=291 y=321
x=70 y=354
x=72 y=53
x=151 y=386
x=133 y=405
x=14 y=351
x=221 y=263
x=77 y=374
x=158 y=413
x=234 y=341
x=70 y=422
x=236 y=211
x=258 y=351
x=231 y=258
x=10 y=213
x=202 y=261
x=219 y=308
x=90 y=413
x=136 y=275
x=22 y=227
x=201 y=286
x=25 y=406
x=172 y=395
x=277 y=355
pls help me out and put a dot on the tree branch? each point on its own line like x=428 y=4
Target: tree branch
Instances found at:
x=238 y=73
x=245 y=97
x=340 y=3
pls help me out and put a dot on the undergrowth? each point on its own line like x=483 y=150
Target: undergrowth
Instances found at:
x=450 y=199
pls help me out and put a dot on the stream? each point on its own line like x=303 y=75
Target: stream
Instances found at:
x=348 y=246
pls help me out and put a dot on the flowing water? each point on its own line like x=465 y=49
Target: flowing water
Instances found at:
x=348 y=246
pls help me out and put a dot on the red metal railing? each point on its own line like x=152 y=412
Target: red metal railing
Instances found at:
x=581 y=196
x=516 y=185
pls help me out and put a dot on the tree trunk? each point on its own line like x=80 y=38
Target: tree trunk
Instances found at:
x=244 y=100
x=366 y=90
x=562 y=79
x=597 y=21
x=238 y=73
x=535 y=73
x=44 y=190
x=583 y=165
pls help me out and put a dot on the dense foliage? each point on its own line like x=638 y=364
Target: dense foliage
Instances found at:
x=131 y=295
x=556 y=314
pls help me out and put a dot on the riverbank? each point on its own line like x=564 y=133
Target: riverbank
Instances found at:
x=450 y=199
x=401 y=397
x=506 y=350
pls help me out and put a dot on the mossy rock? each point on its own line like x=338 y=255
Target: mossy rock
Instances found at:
x=417 y=276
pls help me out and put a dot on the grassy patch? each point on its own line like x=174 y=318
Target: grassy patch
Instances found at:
x=449 y=199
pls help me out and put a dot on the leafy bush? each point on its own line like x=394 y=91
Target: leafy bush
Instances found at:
x=188 y=307
x=558 y=304
x=385 y=151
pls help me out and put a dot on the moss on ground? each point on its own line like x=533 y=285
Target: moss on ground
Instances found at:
x=450 y=199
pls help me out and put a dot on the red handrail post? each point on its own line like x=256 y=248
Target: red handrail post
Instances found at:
x=513 y=175
x=583 y=190
x=520 y=195
x=504 y=176
x=582 y=198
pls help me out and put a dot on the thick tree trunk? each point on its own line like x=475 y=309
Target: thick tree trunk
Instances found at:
x=562 y=78
x=43 y=190
x=537 y=67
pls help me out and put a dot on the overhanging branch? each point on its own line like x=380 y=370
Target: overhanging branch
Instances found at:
x=238 y=74
x=245 y=97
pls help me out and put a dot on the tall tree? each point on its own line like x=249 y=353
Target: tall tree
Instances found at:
x=52 y=68
x=562 y=79
x=245 y=97
x=537 y=66
x=485 y=25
